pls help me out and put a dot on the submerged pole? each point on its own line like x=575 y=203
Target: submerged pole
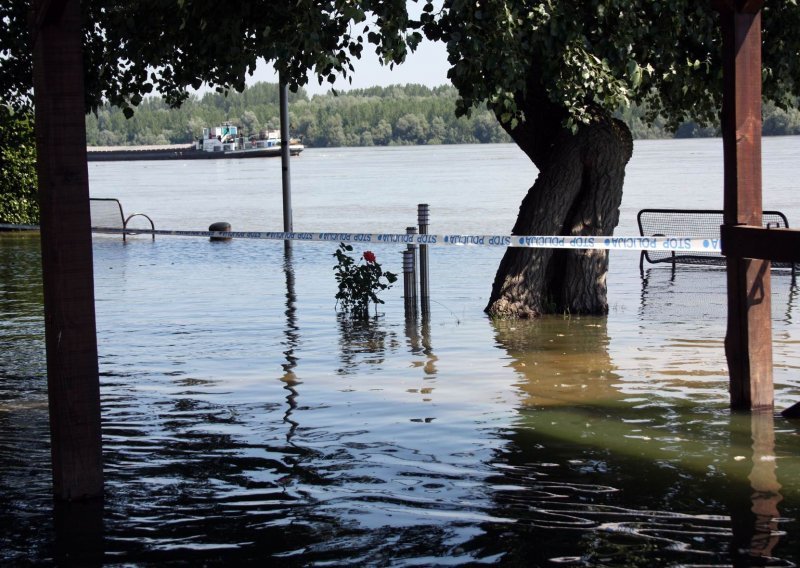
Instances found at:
x=423 y=219
x=413 y=250
x=73 y=385
x=409 y=302
x=285 y=177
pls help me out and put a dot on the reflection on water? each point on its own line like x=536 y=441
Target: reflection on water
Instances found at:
x=766 y=496
x=363 y=342
x=565 y=360
x=686 y=290
x=291 y=342
x=419 y=343
x=635 y=484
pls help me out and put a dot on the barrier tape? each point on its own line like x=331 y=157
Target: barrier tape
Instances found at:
x=668 y=244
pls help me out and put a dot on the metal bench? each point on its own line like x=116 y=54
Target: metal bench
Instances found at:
x=107 y=213
x=693 y=223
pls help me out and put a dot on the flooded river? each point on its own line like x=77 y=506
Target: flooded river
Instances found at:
x=245 y=421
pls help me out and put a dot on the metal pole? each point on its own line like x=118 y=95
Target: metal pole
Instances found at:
x=408 y=284
x=413 y=249
x=423 y=219
x=287 y=185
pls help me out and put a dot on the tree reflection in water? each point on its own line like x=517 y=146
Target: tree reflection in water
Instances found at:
x=593 y=476
x=363 y=342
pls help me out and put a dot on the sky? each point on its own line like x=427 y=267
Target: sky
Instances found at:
x=427 y=66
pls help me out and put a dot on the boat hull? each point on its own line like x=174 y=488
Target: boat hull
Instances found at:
x=184 y=153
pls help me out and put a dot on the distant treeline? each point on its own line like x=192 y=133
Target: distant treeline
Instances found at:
x=378 y=116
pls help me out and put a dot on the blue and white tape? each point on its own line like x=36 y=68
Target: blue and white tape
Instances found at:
x=666 y=244
x=669 y=244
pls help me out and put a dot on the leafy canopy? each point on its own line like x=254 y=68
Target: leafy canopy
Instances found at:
x=605 y=54
x=589 y=54
x=134 y=48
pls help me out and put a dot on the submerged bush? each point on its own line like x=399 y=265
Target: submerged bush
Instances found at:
x=359 y=282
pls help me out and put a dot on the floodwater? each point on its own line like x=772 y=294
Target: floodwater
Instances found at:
x=245 y=421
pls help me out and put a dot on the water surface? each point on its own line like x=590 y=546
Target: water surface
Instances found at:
x=244 y=420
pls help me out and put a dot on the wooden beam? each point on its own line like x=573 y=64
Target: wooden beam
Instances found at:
x=49 y=12
x=745 y=241
x=67 y=270
x=748 y=342
x=744 y=6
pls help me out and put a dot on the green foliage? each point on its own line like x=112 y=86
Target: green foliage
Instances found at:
x=16 y=67
x=594 y=56
x=18 y=185
x=135 y=48
x=359 y=282
x=379 y=116
x=589 y=56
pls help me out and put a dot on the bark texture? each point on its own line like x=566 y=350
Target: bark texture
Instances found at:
x=577 y=193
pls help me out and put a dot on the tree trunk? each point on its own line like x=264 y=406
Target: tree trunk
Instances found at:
x=577 y=193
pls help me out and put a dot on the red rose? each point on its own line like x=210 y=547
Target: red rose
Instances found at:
x=369 y=256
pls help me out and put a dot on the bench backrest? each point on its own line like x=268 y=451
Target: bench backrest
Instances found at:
x=691 y=223
x=106 y=213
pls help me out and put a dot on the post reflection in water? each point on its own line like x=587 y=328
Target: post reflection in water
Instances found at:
x=79 y=532
x=606 y=477
x=291 y=342
x=419 y=343
x=762 y=533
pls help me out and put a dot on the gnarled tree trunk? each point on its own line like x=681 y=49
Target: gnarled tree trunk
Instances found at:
x=577 y=193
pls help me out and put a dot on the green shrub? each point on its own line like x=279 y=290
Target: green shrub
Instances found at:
x=19 y=200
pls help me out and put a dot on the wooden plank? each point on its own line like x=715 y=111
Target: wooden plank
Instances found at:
x=70 y=334
x=748 y=342
x=744 y=6
x=776 y=245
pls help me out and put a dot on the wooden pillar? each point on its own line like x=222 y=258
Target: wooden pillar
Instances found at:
x=748 y=343
x=70 y=334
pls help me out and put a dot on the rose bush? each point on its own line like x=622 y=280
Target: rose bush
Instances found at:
x=359 y=282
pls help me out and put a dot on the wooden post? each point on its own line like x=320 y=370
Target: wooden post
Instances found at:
x=748 y=343
x=70 y=334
